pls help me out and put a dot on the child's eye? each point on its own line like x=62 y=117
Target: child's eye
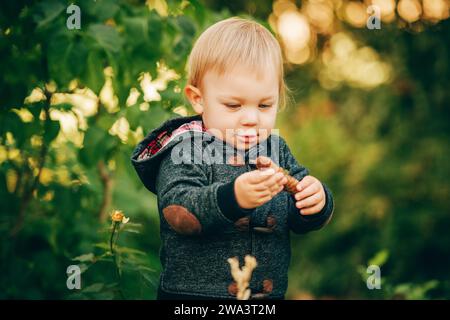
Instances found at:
x=236 y=106
x=232 y=106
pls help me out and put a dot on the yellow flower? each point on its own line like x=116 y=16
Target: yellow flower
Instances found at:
x=117 y=216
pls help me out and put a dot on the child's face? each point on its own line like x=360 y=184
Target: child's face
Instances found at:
x=237 y=107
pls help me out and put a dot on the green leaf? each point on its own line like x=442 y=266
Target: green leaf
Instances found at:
x=96 y=287
x=137 y=29
x=152 y=118
x=149 y=278
x=106 y=121
x=415 y=291
x=10 y=121
x=130 y=251
x=84 y=267
x=131 y=224
x=106 y=37
x=93 y=146
x=181 y=48
x=36 y=108
x=131 y=230
x=155 y=26
x=380 y=258
x=51 y=130
x=88 y=257
x=196 y=10
x=133 y=115
x=94 y=77
x=47 y=11
x=66 y=58
x=101 y=10
x=144 y=268
x=59 y=48
x=186 y=26
x=102 y=245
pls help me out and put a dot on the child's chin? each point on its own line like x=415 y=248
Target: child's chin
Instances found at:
x=243 y=146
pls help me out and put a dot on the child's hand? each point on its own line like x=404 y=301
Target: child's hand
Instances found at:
x=254 y=188
x=310 y=196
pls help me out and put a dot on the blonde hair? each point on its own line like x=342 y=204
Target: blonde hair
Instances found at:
x=232 y=42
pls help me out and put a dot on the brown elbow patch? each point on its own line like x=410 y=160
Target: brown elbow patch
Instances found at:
x=267 y=286
x=181 y=220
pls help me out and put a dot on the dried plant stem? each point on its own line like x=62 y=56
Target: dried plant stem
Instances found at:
x=113 y=253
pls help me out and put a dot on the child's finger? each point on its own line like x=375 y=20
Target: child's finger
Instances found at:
x=265 y=199
x=280 y=182
x=281 y=189
x=274 y=188
x=274 y=179
x=258 y=176
x=276 y=182
x=310 y=201
x=312 y=210
x=277 y=190
x=309 y=191
x=269 y=181
x=305 y=182
x=270 y=184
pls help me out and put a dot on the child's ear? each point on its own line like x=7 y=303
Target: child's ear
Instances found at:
x=195 y=98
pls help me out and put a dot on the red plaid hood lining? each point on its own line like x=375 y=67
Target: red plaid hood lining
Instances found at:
x=165 y=137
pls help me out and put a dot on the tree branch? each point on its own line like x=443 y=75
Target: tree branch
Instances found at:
x=107 y=182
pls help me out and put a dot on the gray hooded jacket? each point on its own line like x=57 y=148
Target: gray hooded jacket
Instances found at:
x=201 y=225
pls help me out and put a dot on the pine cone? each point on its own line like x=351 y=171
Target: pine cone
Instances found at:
x=265 y=163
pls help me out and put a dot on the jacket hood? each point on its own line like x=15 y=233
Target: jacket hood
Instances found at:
x=147 y=156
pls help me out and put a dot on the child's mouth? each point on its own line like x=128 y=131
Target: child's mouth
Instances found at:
x=247 y=139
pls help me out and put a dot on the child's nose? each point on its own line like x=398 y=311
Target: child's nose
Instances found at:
x=249 y=118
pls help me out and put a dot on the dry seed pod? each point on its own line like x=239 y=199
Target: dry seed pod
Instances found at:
x=263 y=163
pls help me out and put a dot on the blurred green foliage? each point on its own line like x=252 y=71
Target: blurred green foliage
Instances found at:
x=64 y=166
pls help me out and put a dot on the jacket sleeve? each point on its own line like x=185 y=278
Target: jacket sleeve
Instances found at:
x=189 y=204
x=299 y=223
